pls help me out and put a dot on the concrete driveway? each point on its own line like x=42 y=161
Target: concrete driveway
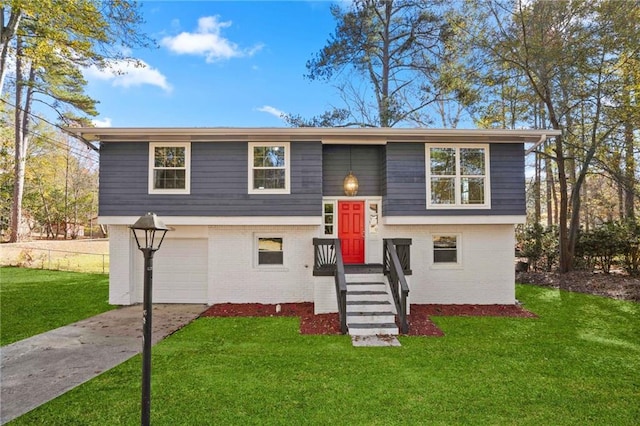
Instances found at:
x=38 y=369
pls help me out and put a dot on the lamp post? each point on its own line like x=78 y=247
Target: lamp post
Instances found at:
x=149 y=232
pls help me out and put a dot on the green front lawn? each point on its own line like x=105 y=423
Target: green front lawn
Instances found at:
x=579 y=363
x=33 y=301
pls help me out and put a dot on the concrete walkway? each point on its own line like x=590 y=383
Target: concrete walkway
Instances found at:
x=38 y=369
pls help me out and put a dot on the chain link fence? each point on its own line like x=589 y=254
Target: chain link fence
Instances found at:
x=53 y=259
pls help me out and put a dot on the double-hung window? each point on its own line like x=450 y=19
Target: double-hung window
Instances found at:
x=169 y=167
x=269 y=171
x=447 y=251
x=270 y=251
x=457 y=176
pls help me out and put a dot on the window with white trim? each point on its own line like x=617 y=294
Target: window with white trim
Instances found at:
x=270 y=251
x=269 y=171
x=373 y=218
x=169 y=167
x=457 y=176
x=446 y=249
x=329 y=218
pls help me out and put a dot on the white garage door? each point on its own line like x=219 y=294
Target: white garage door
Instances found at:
x=179 y=272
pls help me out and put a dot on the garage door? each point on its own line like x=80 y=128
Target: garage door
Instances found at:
x=179 y=272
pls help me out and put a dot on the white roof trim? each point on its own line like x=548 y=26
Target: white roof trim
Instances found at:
x=455 y=220
x=219 y=220
x=334 y=135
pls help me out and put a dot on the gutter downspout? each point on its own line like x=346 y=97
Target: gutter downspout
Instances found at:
x=543 y=138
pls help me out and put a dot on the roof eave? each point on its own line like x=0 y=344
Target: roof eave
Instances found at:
x=326 y=135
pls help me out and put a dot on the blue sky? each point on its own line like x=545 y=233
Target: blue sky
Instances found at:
x=219 y=63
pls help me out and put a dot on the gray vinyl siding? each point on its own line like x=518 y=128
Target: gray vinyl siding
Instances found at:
x=219 y=181
x=507 y=179
x=404 y=189
x=366 y=164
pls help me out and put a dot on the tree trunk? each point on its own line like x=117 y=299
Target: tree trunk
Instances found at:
x=574 y=224
x=536 y=190
x=566 y=256
x=385 y=108
x=585 y=197
x=6 y=34
x=537 y=208
x=621 y=198
x=630 y=176
x=550 y=192
x=24 y=95
x=47 y=212
x=20 y=154
x=66 y=194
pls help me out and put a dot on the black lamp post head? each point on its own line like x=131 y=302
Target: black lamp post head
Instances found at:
x=148 y=226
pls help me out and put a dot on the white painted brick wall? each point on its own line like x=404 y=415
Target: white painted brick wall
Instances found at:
x=324 y=295
x=235 y=277
x=486 y=275
x=120 y=251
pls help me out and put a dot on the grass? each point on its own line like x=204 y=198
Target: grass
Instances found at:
x=34 y=301
x=578 y=363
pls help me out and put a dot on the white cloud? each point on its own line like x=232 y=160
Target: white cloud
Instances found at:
x=271 y=110
x=207 y=41
x=106 y=122
x=129 y=73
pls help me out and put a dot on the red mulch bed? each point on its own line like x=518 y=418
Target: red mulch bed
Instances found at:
x=419 y=322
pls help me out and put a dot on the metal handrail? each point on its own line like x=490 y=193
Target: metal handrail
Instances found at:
x=341 y=287
x=397 y=283
x=324 y=256
x=328 y=261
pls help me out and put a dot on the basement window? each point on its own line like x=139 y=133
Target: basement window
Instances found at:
x=270 y=251
x=446 y=250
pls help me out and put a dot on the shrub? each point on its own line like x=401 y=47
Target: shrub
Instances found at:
x=539 y=245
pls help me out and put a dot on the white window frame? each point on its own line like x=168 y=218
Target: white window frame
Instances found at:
x=446 y=265
x=256 y=250
x=187 y=167
x=334 y=203
x=287 y=169
x=369 y=218
x=458 y=177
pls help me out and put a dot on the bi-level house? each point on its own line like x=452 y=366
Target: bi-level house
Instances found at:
x=273 y=215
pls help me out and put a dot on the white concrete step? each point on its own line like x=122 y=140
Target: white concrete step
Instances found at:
x=384 y=317
x=368 y=306
x=370 y=311
x=373 y=329
x=358 y=278
x=366 y=286
x=367 y=295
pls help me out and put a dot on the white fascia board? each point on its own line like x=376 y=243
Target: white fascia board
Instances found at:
x=455 y=220
x=326 y=135
x=220 y=220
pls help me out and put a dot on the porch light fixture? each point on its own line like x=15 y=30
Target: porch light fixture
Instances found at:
x=350 y=183
x=149 y=232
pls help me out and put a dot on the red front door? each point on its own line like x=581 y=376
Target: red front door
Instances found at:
x=351 y=230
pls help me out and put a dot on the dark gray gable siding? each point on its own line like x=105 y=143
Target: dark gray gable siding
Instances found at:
x=404 y=189
x=366 y=164
x=219 y=181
